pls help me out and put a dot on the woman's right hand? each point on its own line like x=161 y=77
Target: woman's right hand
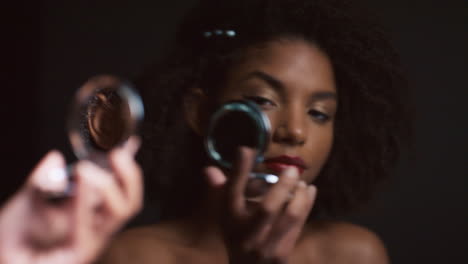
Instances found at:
x=73 y=230
x=267 y=231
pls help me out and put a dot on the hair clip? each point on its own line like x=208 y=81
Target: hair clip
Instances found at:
x=219 y=32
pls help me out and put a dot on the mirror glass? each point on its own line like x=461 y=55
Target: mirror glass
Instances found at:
x=235 y=124
x=105 y=112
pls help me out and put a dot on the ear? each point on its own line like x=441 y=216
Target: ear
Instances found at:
x=196 y=110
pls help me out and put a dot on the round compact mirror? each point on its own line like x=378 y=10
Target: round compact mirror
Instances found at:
x=235 y=124
x=105 y=112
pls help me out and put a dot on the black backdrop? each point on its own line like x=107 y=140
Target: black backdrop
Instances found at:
x=54 y=46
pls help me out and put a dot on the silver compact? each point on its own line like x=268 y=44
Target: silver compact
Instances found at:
x=235 y=124
x=105 y=112
x=103 y=115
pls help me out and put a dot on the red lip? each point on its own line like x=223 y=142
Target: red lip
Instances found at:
x=279 y=164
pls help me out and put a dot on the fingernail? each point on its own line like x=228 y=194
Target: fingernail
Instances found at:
x=54 y=157
x=53 y=153
x=243 y=150
x=302 y=184
x=312 y=190
x=215 y=177
x=291 y=172
x=132 y=145
x=54 y=180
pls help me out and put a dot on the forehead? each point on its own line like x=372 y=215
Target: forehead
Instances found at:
x=295 y=62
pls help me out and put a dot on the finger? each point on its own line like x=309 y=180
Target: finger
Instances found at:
x=273 y=204
x=238 y=179
x=288 y=226
x=86 y=238
x=302 y=202
x=128 y=174
x=51 y=160
x=48 y=224
x=101 y=209
x=297 y=210
x=214 y=176
x=103 y=191
x=279 y=194
x=216 y=181
x=49 y=176
x=132 y=145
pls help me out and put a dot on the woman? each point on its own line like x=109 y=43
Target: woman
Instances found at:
x=330 y=84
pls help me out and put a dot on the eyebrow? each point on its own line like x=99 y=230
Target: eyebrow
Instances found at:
x=278 y=86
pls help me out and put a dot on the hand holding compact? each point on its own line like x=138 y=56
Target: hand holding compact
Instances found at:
x=105 y=112
x=66 y=214
x=37 y=229
x=264 y=231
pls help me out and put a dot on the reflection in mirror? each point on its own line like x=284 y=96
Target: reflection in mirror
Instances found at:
x=105 y=112
x=107 y=115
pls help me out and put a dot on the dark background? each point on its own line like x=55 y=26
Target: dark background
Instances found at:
x=49 y=48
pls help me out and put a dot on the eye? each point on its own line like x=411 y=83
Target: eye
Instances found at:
x=261 y=101
x=319 y=116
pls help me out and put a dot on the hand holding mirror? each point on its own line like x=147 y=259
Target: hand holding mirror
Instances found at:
x=104 y=114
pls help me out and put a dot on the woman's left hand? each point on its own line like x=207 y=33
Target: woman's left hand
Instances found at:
x=268 y=230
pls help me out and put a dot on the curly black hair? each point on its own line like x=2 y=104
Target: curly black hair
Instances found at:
x=373 y=120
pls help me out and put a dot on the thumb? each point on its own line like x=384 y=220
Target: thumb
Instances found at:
x=50 y=174
x=216 y=180
x=215 y=177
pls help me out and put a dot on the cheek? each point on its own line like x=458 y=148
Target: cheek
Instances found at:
x=317 y=151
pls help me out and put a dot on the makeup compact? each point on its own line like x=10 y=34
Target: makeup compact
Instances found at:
x=103 y=115
x=105 y=112
x=235 y=124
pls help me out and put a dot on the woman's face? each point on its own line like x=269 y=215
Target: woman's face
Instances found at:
x=292 y=81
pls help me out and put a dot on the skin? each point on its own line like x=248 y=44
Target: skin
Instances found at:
x=74 y=230
x=292 y=81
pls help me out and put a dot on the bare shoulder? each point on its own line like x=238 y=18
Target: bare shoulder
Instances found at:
x=342 y=242
x=139 y=245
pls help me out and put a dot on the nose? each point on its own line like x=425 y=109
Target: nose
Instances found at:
x=291 y=128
